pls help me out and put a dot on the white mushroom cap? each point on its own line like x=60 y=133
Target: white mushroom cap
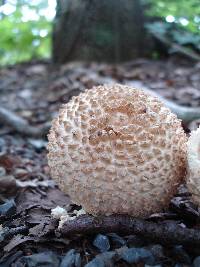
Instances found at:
x=116 y=149
x=193 y=165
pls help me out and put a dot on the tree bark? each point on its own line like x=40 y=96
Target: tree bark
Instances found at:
x=93 y=30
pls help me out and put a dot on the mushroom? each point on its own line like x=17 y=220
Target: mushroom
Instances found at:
x=116 y=149
x=193 y=165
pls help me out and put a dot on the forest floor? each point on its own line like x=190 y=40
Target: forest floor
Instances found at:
x=34 y=91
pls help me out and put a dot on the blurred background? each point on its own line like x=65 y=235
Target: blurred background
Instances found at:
x=104 y=30
x=25 y=29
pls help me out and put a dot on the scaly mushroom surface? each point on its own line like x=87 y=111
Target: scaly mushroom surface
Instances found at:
x=116 y=149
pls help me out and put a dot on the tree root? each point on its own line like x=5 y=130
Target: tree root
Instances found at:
x=189 y=53
x=186 y=114
x=164 y=233
x=21 y=126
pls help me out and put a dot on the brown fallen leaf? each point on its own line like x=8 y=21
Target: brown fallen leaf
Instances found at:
x=8 y=186
x=16 y=241
x=8 y=161
x=53 y=197
x=46 y=227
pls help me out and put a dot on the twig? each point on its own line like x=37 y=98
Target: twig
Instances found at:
x=165 y=233
x=185 y=51
x=21 y=126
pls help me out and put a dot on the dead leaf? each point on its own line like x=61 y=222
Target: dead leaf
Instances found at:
x=54 y=197
x=16 y=241
x=8 y=161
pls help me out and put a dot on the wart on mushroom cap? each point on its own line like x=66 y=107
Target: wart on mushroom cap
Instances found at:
x=116 y=149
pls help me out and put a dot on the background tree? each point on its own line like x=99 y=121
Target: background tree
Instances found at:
x=96 y=30
x=105 y=30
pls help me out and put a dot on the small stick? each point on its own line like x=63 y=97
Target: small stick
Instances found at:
x=178 y=48
x=164 y=233
x=21 y=126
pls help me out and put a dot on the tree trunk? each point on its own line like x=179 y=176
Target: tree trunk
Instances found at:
x=99 y=30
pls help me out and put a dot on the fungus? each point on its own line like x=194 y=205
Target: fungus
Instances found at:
x=193 y=165
x=63 y=215
x=116 y=149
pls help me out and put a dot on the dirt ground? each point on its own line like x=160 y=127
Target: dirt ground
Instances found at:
x=35 y=91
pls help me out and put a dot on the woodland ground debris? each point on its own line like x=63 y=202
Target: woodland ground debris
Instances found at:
x=30 y=234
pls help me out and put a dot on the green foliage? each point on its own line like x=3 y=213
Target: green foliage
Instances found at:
x=25 y=33
x=179 y=21
x=175 y=33
x=181 y=10
x=25 y=38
